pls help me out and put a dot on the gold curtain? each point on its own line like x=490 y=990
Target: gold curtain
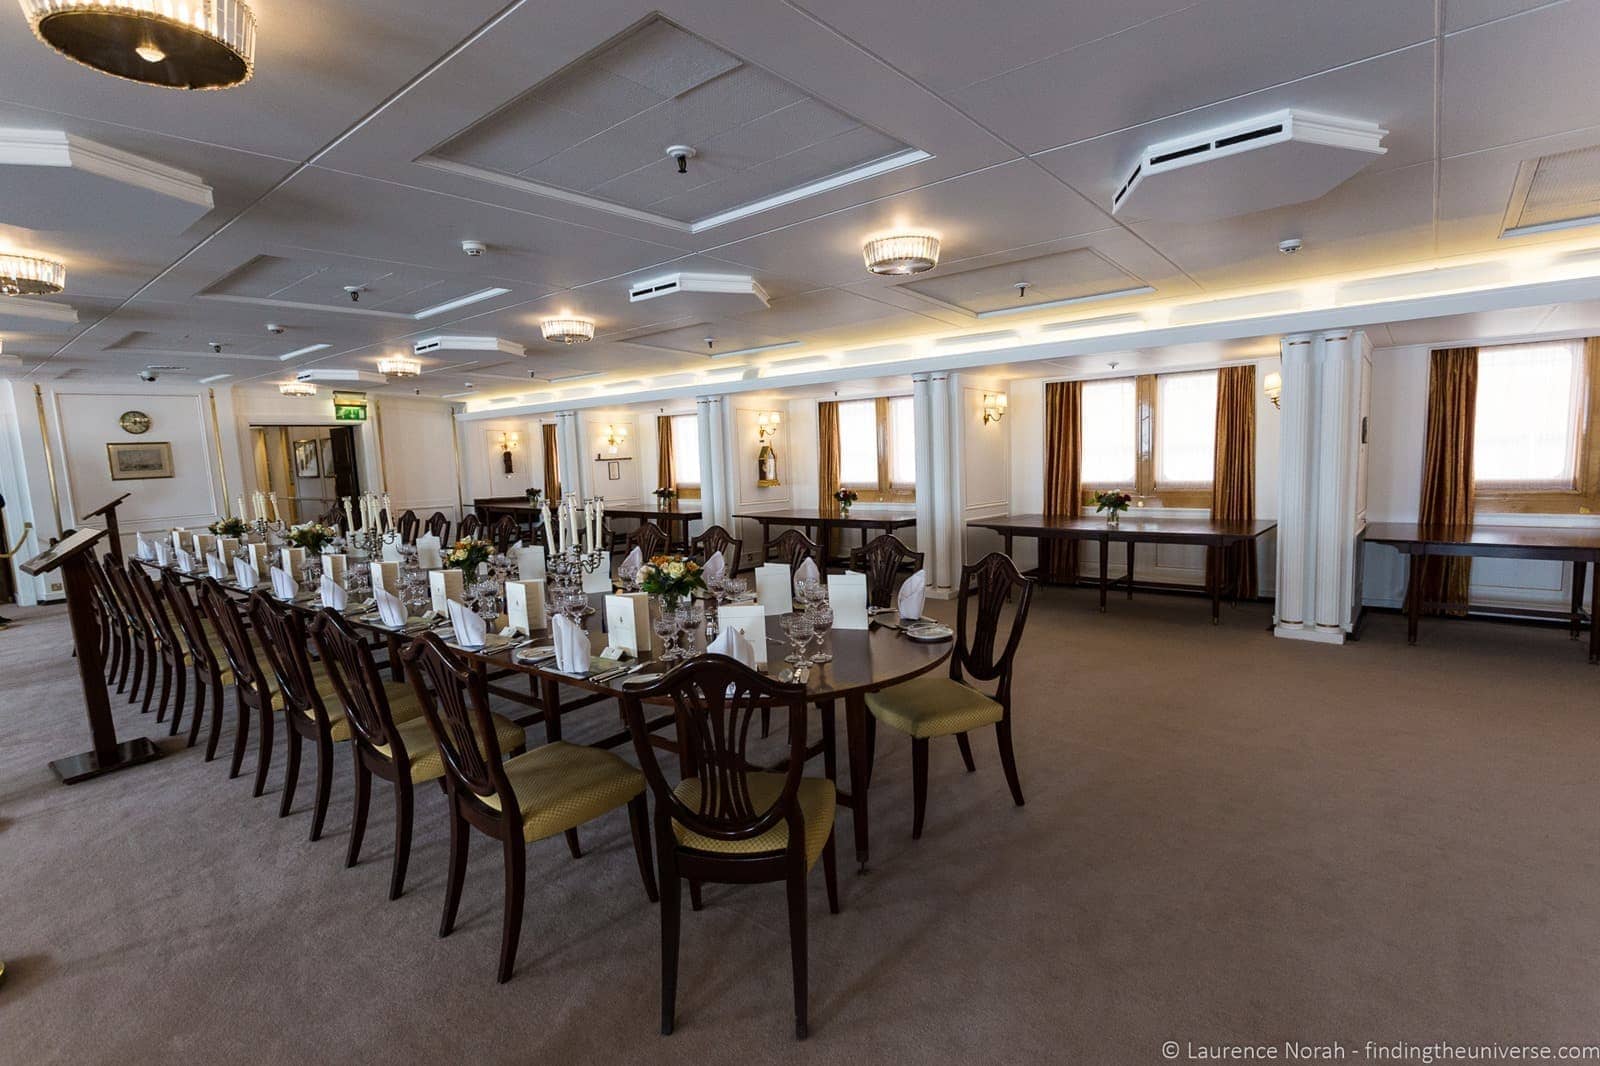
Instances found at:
x=827 y=461
x=1447 y=488
x=664 y=459
x=1063 y=474
x=552 y=465
x=1233 y=480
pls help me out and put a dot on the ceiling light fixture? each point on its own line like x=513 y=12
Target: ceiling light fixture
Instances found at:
x=399 y=366
x=307 y=350
x=465 y=301
x=29 y=275
x=567 y=330
x=202 y=44
x=297 y=388
x=901 y=253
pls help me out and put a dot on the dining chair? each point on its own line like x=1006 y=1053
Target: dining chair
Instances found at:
x=253 y=692
x=533 y=795
x=389 y=738
x=408 y=525
x=140 y=638
x=505 y=532
x=726 y=821
x=716 y=539
x=114 y=638
x=439 y=526
x=333 y=516
x=470 y=524
x=883 y=559
x=208 y=660
x=933 y=706
x=649 y=538
x=793 y=547
x=170 y=649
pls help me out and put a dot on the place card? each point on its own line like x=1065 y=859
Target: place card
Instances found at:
x=751 y=619
x=628 y=621
x=774 y=587
x=226 y=547
x=430 y=555
x=530 y=562
x=847 y=595
x=260 y=556
x=294 y=560
x=204 y=543
x=334 y=565
x=446 y=585
x=386 y=576
x=525 y=605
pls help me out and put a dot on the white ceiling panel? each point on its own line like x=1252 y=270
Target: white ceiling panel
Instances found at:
x=1486 y=325
x=1475 y=189
x=1463 y=14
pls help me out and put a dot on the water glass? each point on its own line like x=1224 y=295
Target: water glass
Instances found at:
x=820 y=614
x=797 y=627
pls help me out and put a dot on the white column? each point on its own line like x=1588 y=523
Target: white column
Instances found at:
x=943 y=574
x=721 y=511
x=1335 y=461
x=1294 y=470
x=569 y=453
x=922 y=419
x=705 y=414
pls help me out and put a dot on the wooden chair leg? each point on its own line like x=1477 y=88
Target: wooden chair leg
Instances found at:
x=797 y=946
x=457 y=875
x=147 y=663
x=319 y=810
x=402 y=836
x=638 y=814
x=965 y=745
x=241 y=732
x=830 y=873
x=695 y=902
x=573 y=845
x=358 y=815
x=180 y=695
x=919 y=786
x=516 y=878
x=166 y=689
x=872 y=745
x=1008 y=759
x=138 y=672
x=291 y=770
x=830 y=747
x=263 y=746
x=766 y=721
x=671 y=920
x=198 y=710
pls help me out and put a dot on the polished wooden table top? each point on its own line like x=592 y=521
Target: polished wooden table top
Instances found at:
x=861 y=519
x=1486 y=536
x=1128 y=528
x=645 y=514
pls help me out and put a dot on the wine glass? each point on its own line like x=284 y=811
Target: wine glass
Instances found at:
x=688 y=617
x=821 y=615
x=736 y=587
x=797 y=627
x=665 y=627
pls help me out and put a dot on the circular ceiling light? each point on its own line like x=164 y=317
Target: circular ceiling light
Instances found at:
x=297 y=388
x=567 y=330
x=901 y=253
x=199 y=44
x=399 y=366
x=28 y=275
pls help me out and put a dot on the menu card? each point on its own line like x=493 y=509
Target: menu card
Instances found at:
x=181 y=539
x=391 y=550
x=260 y=556
x=204 y=543
x=446 y=585
x=294 y=560
x=226 y=546
x=386 y=576
x=530 y=562
x=598 y=579
x=751 y=619
x=847 y=595
x=525 y=605
x=429 y=555
x=333 y=565
x=774 y=589
x=628 y=621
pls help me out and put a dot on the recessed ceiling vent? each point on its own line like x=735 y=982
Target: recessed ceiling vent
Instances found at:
x=445 y=343
x=711 y=284
x=332 y=376
x=1555 y=192
x=1286 y=157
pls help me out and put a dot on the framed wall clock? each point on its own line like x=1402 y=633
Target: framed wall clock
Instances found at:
x=134 y=422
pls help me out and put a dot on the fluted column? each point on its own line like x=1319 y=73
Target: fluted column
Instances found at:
x=922 y=421
x=569 y=453
x=705 y=414
x=942 y=486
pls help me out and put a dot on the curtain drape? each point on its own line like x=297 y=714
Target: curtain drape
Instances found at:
x=1447 y=486
x=827 y=461
x=552 y=467
x=1063 y=473
x=664 y=460
x=1233 y=479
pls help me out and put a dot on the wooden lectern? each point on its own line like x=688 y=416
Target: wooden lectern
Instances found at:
x=73 y=555
x=110 y=512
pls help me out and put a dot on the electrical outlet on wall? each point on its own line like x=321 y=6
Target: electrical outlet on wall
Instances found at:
x=54 y=587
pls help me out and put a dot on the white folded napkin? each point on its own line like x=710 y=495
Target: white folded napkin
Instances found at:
x=733 y=643
x=215 y=567
x=142 y=547
x=470 y=628
x=912 y=595
x=390 y=609
x=631 y=564
x=163 y=553
x=185 y=561
x=572 y=645
x=429 y=552
x=714 y=568
x=807 y=571
x=333 y=594
x=245 y=574
x=283 y=586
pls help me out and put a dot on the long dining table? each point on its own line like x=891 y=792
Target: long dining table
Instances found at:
x=825 y=522
x=863 y=661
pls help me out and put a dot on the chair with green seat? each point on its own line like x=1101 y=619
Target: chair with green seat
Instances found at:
x=727 y=821
x=170 y=650
x=933 y=706
x=531 y=796
x=207 y=658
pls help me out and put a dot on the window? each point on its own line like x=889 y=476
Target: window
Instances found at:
x=686 y=455
x=1531 y=447
x=878 y=448
x=1153 y=435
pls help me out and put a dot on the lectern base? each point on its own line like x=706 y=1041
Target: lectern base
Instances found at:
x=75 y=768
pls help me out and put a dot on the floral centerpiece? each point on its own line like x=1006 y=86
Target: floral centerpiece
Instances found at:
x=312 y=536
x=844 y=498
x=665 y=495
x=672 y=577
x=468 y=554
x=229 y=527
x=1112 y=502
x=534 y=496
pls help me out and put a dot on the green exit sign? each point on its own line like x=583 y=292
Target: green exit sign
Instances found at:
x=350 y=406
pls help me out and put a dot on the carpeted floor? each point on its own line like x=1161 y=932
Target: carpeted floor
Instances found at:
x=1228 y=838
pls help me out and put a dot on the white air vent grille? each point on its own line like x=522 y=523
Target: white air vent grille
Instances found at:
x=707 y=284
x=1560 y=191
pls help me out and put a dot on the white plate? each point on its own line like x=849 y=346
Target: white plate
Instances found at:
x=640 y=680
x=926 y=633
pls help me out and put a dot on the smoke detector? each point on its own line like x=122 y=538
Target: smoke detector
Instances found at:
x=1290 y=246
x=474 y=248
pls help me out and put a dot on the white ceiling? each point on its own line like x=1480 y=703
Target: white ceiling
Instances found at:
x=1031 y=112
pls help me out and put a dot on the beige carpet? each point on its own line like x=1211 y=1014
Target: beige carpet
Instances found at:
x=1228 y=838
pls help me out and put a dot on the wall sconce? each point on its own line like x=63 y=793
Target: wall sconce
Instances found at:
x=994 y=407
x=1272 y=385
x=767 y=425
x=616 y=436
x=508 y=443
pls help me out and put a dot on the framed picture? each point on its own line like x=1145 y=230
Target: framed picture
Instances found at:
x=134 y=462
x=307 y=458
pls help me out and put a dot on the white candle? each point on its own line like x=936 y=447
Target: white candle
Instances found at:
x=600 y=523
x=349 y=517
x=544 y=516
x=272 y=498
x=240 y=503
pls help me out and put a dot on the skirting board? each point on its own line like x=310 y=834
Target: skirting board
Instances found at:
x=1315 y=636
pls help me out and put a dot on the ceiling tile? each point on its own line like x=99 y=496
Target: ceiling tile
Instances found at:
x=1058 y=276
